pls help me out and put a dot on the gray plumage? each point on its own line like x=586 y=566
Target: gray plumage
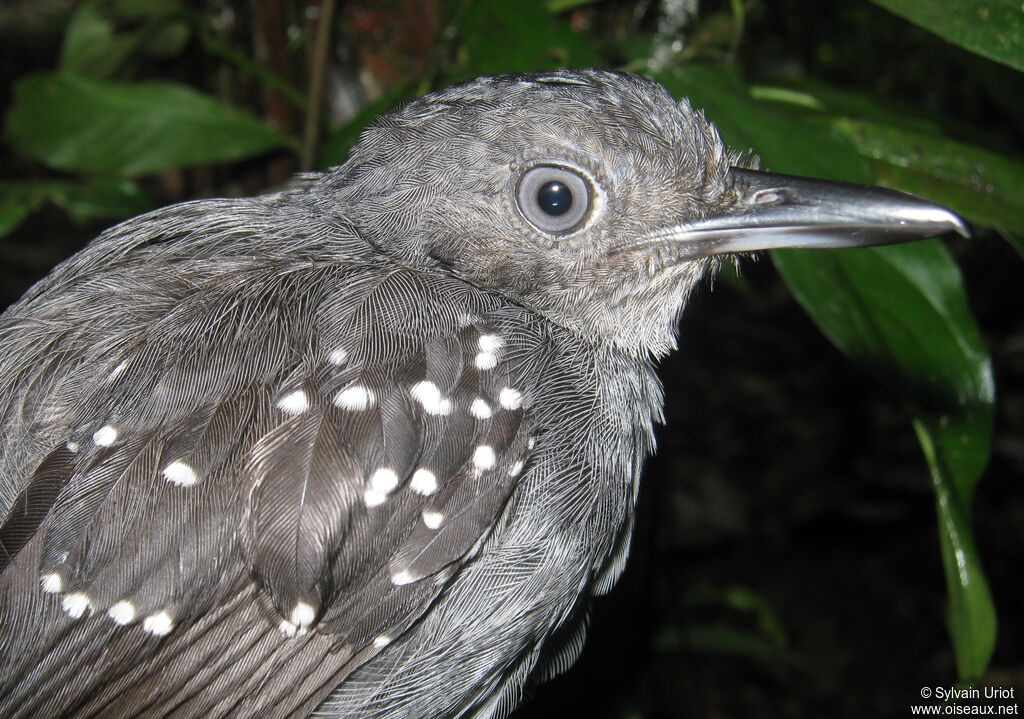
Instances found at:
x=365 y=447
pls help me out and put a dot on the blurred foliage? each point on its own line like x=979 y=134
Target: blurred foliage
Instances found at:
x=144 y=97
x=76 y=123
x=992 y=28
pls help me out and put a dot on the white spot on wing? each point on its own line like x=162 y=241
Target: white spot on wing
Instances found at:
x=430 y=398
x=486 y=360
x=516 y=469
x=382 y=483
x=294 y=402
x=401 y=578
x=181 y=474
x=357 y=397
x=161 y=623
x=382 y=641
x=480 y=409
x=117 y=370
x=510 y=398
x=384 y=480
x=122 y=613
x=289 y=630
x=432 y=518
x=338 y=357
x=73 y=446
x=52 y=583
x=104 y=436
x=423 y=482
x=490 y=343
x=76 y=605
x=483 y=457
x=302 y=614
x=373 y=498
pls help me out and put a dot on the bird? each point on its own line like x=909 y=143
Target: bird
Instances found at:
x=369 y=446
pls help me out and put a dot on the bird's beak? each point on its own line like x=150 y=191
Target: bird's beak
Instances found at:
x=773 y=211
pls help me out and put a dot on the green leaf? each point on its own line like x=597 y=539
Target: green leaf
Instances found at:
x=18 y=199
x=765 y=128
x=13 y=211
x=70 y=122
x=740 y=599
x=564 y=5
x=902 y=313
x=164 y=31
x=971 y=615
x=906 y=151
x=981 y=185
x=822 y=98
x=718 y=640
x=91 y=48
x=168 y=39
x=94 y=47
x=144 y=9
x=103 y=196
x=991 y=28
x=499 y=36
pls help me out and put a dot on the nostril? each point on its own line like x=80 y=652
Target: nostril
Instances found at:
x=770 y=197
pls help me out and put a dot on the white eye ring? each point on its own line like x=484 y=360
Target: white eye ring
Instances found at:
x=554 y=199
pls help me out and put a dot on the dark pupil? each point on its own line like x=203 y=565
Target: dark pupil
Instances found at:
x=555 y=198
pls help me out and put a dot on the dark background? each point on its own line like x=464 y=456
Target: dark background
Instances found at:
x=786 y=561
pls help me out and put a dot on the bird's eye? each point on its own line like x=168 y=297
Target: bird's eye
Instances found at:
x=554 y=199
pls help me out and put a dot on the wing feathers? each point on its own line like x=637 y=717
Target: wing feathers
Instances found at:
x=348 y=462
x=304 y=489
x=34 y=502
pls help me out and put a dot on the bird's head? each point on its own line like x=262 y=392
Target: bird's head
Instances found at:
x=591 y=197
